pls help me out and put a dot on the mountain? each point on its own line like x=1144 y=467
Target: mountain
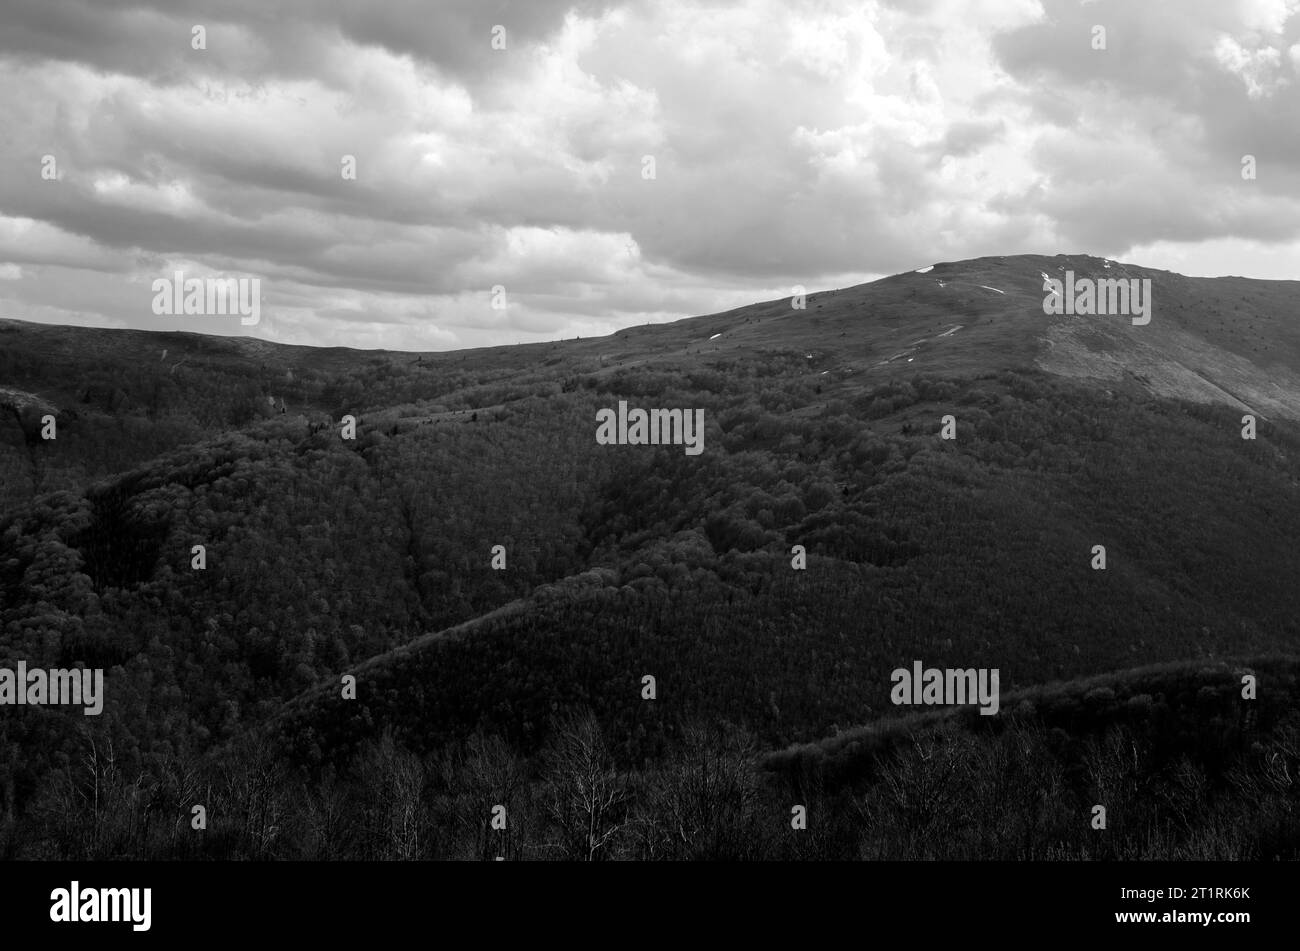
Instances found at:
x=477 y=681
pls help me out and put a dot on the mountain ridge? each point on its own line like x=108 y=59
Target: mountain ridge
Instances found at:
x=1227 y=339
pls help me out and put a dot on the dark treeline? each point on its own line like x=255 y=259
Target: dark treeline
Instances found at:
x=1025 y=791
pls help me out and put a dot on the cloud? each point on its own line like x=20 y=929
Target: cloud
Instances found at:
x=1259 y=69
x=809 y=142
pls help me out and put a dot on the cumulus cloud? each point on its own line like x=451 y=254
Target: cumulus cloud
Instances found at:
x=812 y=142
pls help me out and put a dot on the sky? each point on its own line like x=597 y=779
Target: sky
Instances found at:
x=438 y=174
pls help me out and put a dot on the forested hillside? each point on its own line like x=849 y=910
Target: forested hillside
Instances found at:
x=523 y=683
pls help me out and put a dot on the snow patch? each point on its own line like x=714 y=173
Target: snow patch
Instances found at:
x=925 y=270
x=715 y=336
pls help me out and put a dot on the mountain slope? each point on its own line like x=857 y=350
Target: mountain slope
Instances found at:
x=373 y=557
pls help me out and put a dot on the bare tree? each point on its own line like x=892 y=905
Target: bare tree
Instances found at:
x=588 y=799
x=392 y=780
x=494 y=775
x=703 y=803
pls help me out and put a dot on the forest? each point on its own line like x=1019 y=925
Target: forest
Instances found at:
x=523 y=687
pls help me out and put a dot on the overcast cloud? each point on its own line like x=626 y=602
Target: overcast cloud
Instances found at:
x=812 y=143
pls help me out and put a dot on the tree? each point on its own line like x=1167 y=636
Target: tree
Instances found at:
x=588 y=798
